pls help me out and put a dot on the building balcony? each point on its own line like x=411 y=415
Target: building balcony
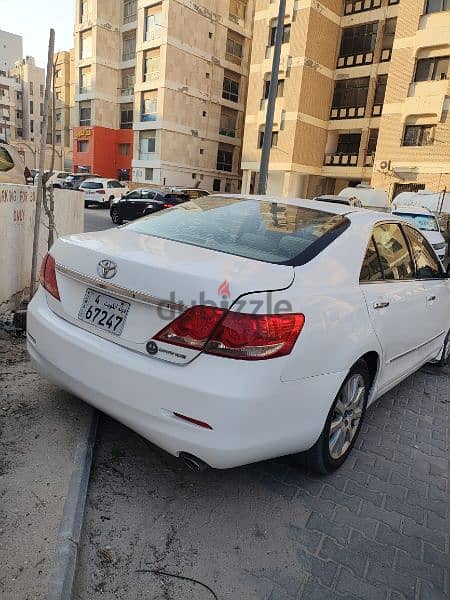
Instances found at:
x=341 y=160
x=148 y=117
x=355 y=60
x=227 y=132
x=357 y=6
x=426 y=97
x=349 y=112
x=434 y=30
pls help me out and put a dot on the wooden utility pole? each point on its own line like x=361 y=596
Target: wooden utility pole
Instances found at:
x=273 y=88
x=40 y=188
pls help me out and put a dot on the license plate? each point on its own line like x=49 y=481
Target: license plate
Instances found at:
x=104 y=312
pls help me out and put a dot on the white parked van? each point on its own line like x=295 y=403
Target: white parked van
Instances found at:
x=424 y=219
x=367 y=196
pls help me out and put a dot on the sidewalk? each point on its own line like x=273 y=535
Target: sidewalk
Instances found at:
x=39 y=429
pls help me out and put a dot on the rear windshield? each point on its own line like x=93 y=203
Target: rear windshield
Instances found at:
x=92 y=185
x=424 y=222
x=266 y=231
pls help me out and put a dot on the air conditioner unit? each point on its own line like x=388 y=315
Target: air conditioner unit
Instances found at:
x=384 y=166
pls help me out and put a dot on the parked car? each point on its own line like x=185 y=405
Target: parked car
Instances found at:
x=141 y=202
x=101 y=191
x=351 y=201
x=192 y=193
x=73 y=181
x=235 y=329
x=58 y=178
x=424 y=219
x=12 y=167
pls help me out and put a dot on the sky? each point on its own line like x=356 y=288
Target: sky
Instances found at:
x=32 y=19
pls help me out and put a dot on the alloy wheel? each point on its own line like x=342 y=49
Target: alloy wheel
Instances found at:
x=347 y=415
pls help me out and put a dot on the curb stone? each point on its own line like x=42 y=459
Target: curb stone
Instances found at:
x=65 y=558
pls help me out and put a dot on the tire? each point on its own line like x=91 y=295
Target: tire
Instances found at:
x=327 y=454
x=445 y=356
x=116 y=217
x=86 y=205
x=108 y=204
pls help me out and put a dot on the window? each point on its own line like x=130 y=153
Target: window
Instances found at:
x=41 y=109
x=433 y=6
x=216 y=185
x=387 y=44
x=124 y=149
x=274 y=139
x=41 y=91
x=6 y=162
x=225 y=158
x=84 y=7
x=148 y=174
x=228 y=122
x=418 y=135
x=356 y=6
x=31 y=126
x=85 y=44
x=19 y=114
x=348 y=143
x=128 y=79
x=247 y=228
x=58 y=95
x=126 y=116
x=280 y=88
x=31 y=107
x=129 y=46
x=83 y=146
x=234 y=51
x=129 y=11
x=393 y=252
x=372 y=142
x=427 y=265
x=230 y=90
x=114 y=184
x=371 y=269
x=428 y=69
x=31 y=88
x=152 y=24
x=358 y=45
x=237 y=11
x=58 y=116
x=57 y=138
x=380 y=93
x=58 y=73
x=286 y=34
x=350 y=98
x=147 y=145
x=85 y=113
x=151 y=65
x=85 y=80
x=149 y=106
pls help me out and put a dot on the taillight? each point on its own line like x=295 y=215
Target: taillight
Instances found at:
x=234 y=335
x=193 y=328
x=168 y=206
x=101 y=192
x=47 y=276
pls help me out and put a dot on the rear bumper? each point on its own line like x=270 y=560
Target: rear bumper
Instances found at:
x=253 y=414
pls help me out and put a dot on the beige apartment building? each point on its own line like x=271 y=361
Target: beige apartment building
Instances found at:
x=64 y=94
x=161 y=89
x=355 y=101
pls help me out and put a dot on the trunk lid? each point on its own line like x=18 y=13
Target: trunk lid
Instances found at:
x=158 y=278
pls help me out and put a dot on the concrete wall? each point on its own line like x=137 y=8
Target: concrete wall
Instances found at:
x=17 y=209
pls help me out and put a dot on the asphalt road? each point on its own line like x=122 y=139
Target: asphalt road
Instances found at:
x=97 y=219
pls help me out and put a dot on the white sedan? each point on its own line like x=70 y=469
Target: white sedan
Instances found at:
x=100 y=191
x=233 y=329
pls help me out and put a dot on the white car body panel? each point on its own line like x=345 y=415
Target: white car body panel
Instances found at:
x=111 y=193
x=258 y=409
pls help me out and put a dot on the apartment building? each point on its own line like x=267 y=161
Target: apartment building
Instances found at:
x=413 y=150
x=334 y=70
x=11 y=49
x=10 y=107
x=161 y=89
x=32 y=82
x=64 y=94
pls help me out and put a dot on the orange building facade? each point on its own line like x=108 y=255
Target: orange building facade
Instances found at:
x=106 y=152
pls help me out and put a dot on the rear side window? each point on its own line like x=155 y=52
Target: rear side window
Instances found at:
x=6 y=162
x=394 y=258
x=92 y=185
x=114 y=184
x=371 y=269
x=427 y=265
x=266 y=231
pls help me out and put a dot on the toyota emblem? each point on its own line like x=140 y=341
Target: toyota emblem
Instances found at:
x=107 y=269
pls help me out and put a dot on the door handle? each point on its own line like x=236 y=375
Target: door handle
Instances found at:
x=380 y=305
x=431 y=298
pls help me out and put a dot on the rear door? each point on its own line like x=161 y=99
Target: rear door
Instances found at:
x=395 y=301
x=129 y=204
x=144 y=203
x=436 y=290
